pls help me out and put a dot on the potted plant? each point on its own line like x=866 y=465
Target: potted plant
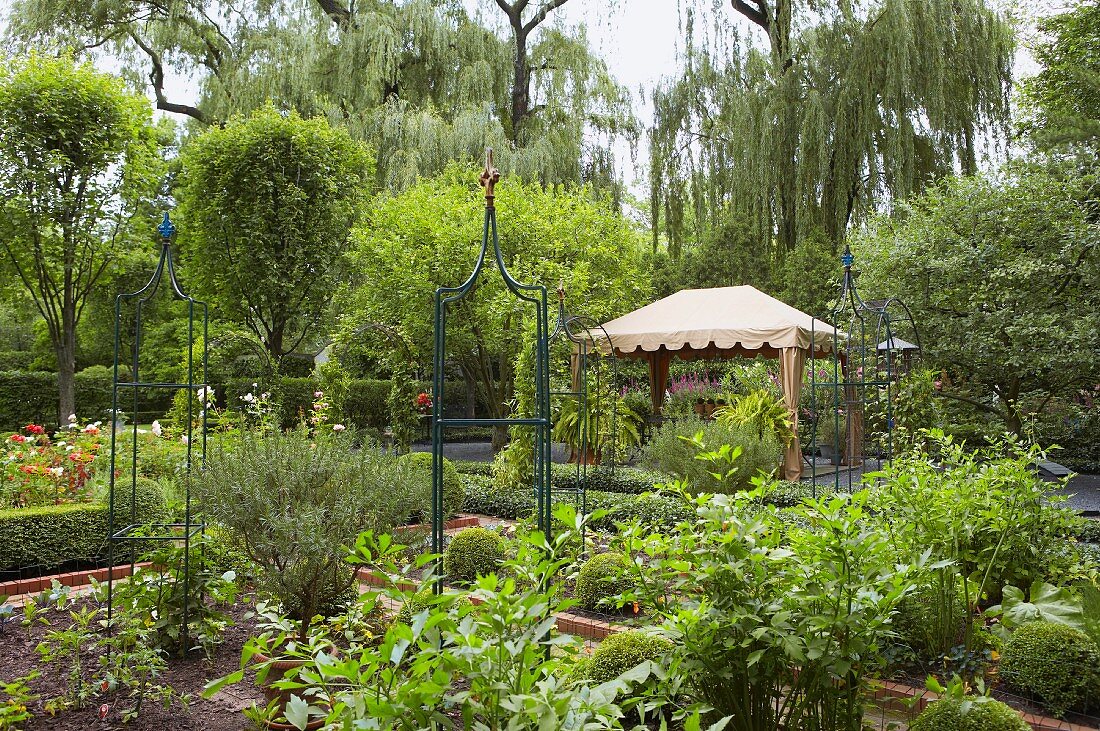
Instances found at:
x=295 y=501
x=607 y=423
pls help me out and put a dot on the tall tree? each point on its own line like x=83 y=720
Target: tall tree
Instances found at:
x=823 y=110
x=1029 y=325
x=422 y=81
x=268 y=204
x=1063 y=100
x=428 y=237
x=78 y=163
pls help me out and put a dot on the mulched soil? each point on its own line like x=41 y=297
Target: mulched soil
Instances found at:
x=186 y=675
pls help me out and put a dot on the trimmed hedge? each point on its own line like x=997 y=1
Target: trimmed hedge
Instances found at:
x=27 y=397
x=629 y=480
x=624 y=651
x=602 y=579
x=983 y=715
x=1055 y=663
x=473 y=552
x=453 y=491
x=51 y=535
x=654 y=510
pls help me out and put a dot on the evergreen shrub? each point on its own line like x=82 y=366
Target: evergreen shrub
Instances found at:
x=473 y=552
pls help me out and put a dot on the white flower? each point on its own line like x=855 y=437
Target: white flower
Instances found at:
x=248 y=398
x=62 y=444
x=97 y=424
x=255 y=385
x=184 y=439
x=72 y=418
x=157 y=431
x=318 y=394
x=69 y=448
x=265 y=395
x=338 y=427
x=57 y=471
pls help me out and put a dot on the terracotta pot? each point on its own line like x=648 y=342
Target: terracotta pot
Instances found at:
x=276 y=671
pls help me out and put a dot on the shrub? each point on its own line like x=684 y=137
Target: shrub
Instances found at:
x=620 y=479
x=48 y=536
x=365 y=403
x=601 y=579
x=982 y=715
x=93 y=392
x=296 y=503
x=669 y=452
x=1055 y=663
x=453 y=492
x=27 y=397
x=473 y=552
x=929 y=625
x=15 y=360
x=138 y=502
x=623 y=651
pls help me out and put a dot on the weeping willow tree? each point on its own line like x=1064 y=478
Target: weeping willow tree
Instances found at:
x=424 y=81
x=805 y=115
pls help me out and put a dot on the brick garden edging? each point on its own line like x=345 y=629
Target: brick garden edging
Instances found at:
x=893 y=694
x=19 y=587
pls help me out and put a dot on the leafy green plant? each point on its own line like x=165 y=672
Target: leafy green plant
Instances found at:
x=602 y=579
x=607 y=424
x=294 y=502
x=131 y=663
x=1045 y=603
x=748 y=596
x=473 y=552
x=17 y=694
x=1057 y=664
x=957 y=710
x=157 y=599
x=673 y=450
x=67 y=646
x=762 y=411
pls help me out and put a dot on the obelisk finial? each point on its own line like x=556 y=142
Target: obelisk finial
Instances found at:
x=489 y=177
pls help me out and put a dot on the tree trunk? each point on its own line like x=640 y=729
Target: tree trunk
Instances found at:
x=65 y=348
x=521 y=82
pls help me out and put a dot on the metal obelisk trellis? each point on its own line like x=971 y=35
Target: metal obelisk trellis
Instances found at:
x=126 y=530
x=861 y=372
x=540 y=419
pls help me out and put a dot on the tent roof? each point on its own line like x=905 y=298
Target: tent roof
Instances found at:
x=723 y=318
x=897 y=344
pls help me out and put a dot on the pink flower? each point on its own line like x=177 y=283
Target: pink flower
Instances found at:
x=318 y=394
x=938 y=385
x=338 y=427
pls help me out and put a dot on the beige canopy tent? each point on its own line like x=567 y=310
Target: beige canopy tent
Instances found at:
x=722 y=322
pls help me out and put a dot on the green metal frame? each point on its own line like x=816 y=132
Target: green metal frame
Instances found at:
x=859 y=374
x=126 y=530
x=540 y=420
x=581 y=333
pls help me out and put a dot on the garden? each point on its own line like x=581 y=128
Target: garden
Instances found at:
x=378 y=430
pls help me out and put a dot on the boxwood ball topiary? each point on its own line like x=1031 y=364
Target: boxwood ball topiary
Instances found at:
x=453 y=491
x=601 y=578
x=982 y=715
x=1057 y=664
x=473 y=552
x=622 y=651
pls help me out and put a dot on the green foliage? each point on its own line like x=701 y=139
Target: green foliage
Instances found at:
x=416 y=603
x=453 y=491
x=295 y=502
x=78 y=166
x=671 y=451
x=1045 y=603
x=17 y=695
x=973 y=714
x=620 y=479
x=473 y=552
x=607 y=426
x=49 y=536
x=748 y=597
x=268 y=203
x=365 y=404
x=136 y=502
x=1026 y=230
x=15 y=360
x=931 y=620
x=26 y=397
x=761 y=411
x=914 y=410
x=1057 y=664
x=428 y=237
x=602 y=579
x=782 y=133
x=623 y=651
x=157 y=598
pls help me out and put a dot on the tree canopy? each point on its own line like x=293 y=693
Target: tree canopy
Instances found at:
x=821 y=112
x=1002 y=274
x=79 y=165
x=267 y=205
x=429 y=236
